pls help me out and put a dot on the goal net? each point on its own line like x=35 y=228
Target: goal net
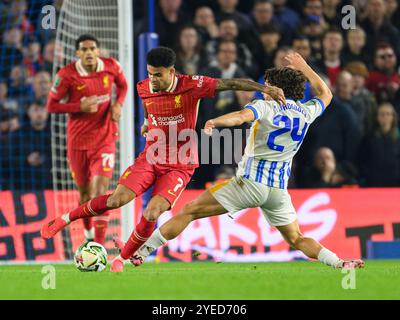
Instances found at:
x=101 y=19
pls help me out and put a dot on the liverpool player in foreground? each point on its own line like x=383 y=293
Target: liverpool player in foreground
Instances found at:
x=171 y=106
x=83 y=90
x=264 y=171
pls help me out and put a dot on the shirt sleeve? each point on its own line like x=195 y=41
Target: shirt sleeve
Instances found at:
x=204 y=87
x=60 y=86
x=258 y=108
x=314 y=107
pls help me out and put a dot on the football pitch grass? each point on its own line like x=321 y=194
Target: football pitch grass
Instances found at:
x=205 y=280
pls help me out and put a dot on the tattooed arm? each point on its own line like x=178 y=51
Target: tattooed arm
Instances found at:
x=250 y=85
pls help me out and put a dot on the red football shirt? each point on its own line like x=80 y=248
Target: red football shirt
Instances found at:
x=72 y=84
x=172 y=116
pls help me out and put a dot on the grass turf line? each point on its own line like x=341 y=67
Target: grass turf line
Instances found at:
x=205 y=280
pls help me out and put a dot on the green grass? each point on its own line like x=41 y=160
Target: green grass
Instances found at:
x=173 y=281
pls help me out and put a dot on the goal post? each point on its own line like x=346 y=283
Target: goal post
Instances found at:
x=111 y=21
x=127 y=127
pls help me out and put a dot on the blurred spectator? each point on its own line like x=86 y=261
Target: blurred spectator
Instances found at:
x=228 y=30
x=285 y=15
x=10 y=146
x=190 y=57
x=204 y=21
x=313 y=30
x=41 y=86
x=48 y=56
x=393 y=12
x=337 y=128
x=170 y=18
x=379 y=158
x=384 y=80
x=18 y=87
x=36 y=151
x=246 y=32
x=315 y=8
x=326 y=173
x=378 y=27
x=344 y=91
x=302 y=45
x=263 y=16
x=355 y=47
x=330 y=63
x=11 y=51
x=362 y=97
x=332 y=12
x=270 y=38
x=7 y=103
x=33 y=59
x=225 y=67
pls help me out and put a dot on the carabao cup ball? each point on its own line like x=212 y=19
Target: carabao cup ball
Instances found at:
x=91 y=256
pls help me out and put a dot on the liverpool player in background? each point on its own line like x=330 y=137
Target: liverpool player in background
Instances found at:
x=171 y=106
x=83 y=89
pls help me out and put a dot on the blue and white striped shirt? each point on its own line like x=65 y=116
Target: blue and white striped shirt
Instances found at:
x=275 y=137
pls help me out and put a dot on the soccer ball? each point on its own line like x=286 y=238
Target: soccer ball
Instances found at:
x=91 y=256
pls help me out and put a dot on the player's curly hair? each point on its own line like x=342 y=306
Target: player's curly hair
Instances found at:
x=161 y=57
x=291 y=81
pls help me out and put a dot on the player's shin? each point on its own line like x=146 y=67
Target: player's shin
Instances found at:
x=139 y=236
x=100 y=228
x=94 y=207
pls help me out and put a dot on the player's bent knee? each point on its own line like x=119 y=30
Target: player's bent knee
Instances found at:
x=114 y=201
x=295 y=240
x=152 y=214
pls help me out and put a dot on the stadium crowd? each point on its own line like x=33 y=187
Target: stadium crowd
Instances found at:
x=355 y=142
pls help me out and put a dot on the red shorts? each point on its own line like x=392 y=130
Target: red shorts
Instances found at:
x=85 y=164
x=169 y=182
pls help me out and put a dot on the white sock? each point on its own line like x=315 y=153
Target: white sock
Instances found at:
x=329 y=258
x=89 y=234
x=65 y=217
x=155 y=241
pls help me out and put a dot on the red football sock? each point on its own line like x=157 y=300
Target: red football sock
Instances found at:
x=100 y=228
x=87 y=223
x=140 y=234
x=94 y=207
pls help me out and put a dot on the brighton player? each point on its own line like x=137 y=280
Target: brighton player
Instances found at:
x=171 y=105
x=261 y=181
x=83 y=89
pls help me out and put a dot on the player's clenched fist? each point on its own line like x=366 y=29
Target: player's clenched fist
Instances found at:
x=296 y=61
x=208 y=127
x=116 y=112
x=90 y=104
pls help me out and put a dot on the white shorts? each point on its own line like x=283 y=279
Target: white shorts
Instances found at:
x=240 y=193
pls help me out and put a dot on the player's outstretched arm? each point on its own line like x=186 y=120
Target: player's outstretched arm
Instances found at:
x=320 y=88
x=275 y=93
x=229 y=120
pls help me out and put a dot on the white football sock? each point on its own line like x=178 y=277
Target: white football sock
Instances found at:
x=156 y=240
x=89 y=234
x=329 y=258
